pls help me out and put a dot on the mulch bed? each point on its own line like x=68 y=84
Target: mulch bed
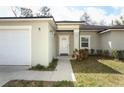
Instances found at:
x=32 y=83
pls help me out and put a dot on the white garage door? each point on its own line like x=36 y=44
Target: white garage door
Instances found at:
x=15 y=47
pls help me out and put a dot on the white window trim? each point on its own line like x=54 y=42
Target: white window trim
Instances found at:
x=87 y=36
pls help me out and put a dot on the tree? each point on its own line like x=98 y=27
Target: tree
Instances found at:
x=22 y=12
x=112 y=22
x=120 y=21
x=117 y=22
x=14 y=11
x=85 y=17
x=43 y=11
x=26 y=12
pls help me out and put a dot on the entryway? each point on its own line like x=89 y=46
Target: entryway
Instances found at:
x=64 y=45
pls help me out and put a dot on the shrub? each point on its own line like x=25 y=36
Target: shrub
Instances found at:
x=75 y=54
x=115 y=53
x=99 y=52
x=123 y=54
x=51 y=66
x=106 y=53
x=86 y=53
x=38 y=66
x=81 y=54
x=92 y=51
x=120 y=54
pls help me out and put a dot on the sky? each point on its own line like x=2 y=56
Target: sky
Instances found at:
x=98 y=14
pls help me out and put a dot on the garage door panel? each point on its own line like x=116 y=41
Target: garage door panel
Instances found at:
x=14 y=47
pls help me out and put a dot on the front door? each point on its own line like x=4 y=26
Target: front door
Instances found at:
x=63 y=44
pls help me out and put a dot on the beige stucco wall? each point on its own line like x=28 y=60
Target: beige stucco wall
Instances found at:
x=39 y=40
x=94 y=38
x=105 y=41
x=71 y=41
x=112 y=40
x=117 y=39
x=51 y=43
x=67 y=26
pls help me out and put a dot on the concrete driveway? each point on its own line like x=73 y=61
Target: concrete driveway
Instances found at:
x=7 y=72
x=63 y=72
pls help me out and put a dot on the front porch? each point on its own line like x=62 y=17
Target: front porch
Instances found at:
x=67 y=41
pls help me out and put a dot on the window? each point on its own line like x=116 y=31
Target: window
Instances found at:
x=85 y=41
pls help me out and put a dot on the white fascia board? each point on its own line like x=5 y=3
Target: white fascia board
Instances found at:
x=116 y=29
x=88 y=30
x=26 y=19
x=50 y=20
x=111 y=30
x=69 y=23
x=104 y=31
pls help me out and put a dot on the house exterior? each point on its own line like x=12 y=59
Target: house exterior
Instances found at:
x=37 y=40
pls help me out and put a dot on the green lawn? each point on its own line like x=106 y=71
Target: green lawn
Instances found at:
x=99 y=72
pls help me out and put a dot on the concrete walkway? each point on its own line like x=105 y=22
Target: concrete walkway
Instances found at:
x=63 y=72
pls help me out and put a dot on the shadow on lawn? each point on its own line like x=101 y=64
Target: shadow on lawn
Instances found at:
x=91 y=65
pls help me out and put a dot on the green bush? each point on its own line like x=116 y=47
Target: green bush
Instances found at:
x=86 y=53
x=51 y=66
x=115 y=54
x=38 y=66
x=120 y=54
x=106 y=53
x=99 y=52
x=123 y=54
x=92 y=51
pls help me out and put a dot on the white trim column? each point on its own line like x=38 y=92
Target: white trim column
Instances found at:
x=76 y=38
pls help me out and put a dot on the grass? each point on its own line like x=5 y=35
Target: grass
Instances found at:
x=99 y=72
x=27 y=83
x=51 y=67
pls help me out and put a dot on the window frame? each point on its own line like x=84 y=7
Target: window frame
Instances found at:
x=85 y=36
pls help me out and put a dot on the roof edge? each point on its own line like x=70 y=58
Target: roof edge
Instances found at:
x=25 y=17
x=69 y=22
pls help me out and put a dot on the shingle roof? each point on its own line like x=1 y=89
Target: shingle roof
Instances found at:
x=64 y=30
x=113 y=27
x=99 y=28
x=93 y=27
x=117 y=27
x=70 y=21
